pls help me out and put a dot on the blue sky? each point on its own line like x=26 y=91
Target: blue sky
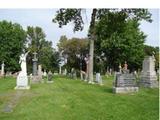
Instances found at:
x=43 y=18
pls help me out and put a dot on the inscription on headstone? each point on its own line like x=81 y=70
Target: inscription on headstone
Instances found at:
x=125 y=83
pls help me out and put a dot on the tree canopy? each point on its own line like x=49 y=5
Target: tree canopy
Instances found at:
x=12 y=41
x=105 y=16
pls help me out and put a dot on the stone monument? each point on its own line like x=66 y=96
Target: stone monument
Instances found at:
x=50 y=76
x=2 y=69
x=98 y=79
x=35 y=78
x=40 y=73
x=124 y=83
x=148 y=75
x=22 y=79
x=44 y=73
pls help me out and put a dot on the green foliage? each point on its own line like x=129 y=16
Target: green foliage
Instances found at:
x=120 y=39
x=47 y=56
x=72 y=48
x=149 y=51
x=117 y=32
x=65 y=16
x=12 y=40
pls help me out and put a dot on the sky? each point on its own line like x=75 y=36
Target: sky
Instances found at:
x=43 y=18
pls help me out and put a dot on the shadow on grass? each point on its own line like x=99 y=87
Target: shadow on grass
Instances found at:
x=107 y=90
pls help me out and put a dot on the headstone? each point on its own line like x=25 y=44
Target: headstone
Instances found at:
x=40 y=72
x=73 y=74
x=124 y=83
x=45 y=73
x=36 y=78
x=110 y=71
x=22 y=79
x=99 y=79
x=50 y=76
x=148 y=75
x=65 y=72
x=2 y=69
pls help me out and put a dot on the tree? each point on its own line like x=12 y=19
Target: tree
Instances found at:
x=72 y=48
x=12 y=42
x=65 y=16
x=47 y=56
x=120 y=40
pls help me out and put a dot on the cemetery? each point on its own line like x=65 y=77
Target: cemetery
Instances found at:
x=110 y=75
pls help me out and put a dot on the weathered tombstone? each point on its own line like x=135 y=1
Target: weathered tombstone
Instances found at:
x=44 y=73
x=35 y=78
x=110 y=71
x=40 y=72
x=65 y=72
x=124 y=83
x=99 y=79
x=50 y=76
x=22 y=79
x=2 y=69
x=148 y=75
x=73 y=74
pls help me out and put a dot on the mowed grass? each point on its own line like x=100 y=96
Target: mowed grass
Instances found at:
x=68 y=99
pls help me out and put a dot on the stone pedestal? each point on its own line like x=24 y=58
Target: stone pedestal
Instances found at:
x=125 y=89
x=125 y=83
x=22 y=81
x=148 y=75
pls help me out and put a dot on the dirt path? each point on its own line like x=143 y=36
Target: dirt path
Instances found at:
x=12 y=102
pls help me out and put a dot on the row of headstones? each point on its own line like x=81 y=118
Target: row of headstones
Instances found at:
x=84 y=76
x=124 y=81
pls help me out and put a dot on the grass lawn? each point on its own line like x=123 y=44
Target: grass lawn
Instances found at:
x=68 y=99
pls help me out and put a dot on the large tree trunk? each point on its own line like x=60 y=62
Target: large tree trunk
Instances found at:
x=91 y=54
x=91 y=50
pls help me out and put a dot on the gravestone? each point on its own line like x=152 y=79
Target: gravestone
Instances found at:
x=98 y=79
x=35 y=78
x=65 y=72
x=124 y=83
x=73 y=74
x=44 y=73
x=2 y=69
x=50 y=76
x=22 y=79
x=148 y=75
x=40 y=71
